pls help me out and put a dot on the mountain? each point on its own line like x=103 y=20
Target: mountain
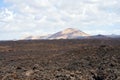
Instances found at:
x=114 y=36
x=36 y=37
x=99 y=36
x=69 y=33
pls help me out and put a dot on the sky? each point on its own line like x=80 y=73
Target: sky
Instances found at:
x=21 y=18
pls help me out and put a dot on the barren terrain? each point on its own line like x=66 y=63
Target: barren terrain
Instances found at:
x=85 y=59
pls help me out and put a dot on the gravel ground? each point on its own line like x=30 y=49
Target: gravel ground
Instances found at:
x=87 y=59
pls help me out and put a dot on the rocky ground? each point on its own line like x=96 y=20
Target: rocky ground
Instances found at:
x=87 y=59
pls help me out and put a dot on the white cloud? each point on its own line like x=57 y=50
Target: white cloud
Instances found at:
x=27 y=15
x=6 y=15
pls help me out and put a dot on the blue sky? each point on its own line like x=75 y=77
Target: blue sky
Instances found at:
x=1 y=3
x=21 y=18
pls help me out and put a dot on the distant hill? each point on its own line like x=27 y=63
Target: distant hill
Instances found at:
x=36 y=37
x=69 y=33
x=114 y=36
x=100 y=36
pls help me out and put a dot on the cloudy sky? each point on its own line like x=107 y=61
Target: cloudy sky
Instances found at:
x=20 y=18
